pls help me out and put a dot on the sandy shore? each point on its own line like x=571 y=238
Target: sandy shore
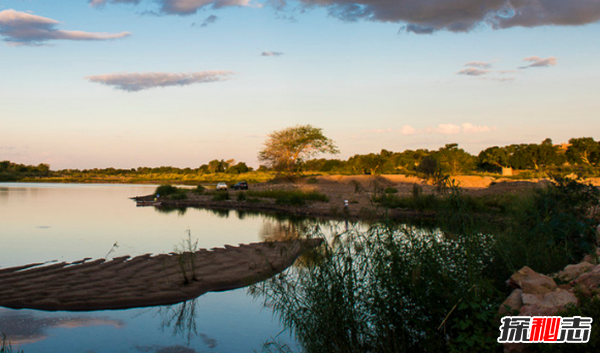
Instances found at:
x=147 y=280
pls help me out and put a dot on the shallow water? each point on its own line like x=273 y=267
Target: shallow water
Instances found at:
x=68 y=222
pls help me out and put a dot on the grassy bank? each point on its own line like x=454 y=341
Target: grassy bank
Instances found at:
x=397 y=288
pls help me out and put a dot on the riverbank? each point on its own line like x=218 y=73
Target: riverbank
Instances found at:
x=364 y=196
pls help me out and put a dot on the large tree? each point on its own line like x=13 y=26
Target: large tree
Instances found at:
x=285 y=149
x=583 y=150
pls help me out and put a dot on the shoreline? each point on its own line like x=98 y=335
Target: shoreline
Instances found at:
x=357 y=191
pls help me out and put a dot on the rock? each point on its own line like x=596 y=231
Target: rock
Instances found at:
x=548 y=304
x=532 y=282
x=513 y=302
x=590 y=279
x=571 y=272
x=592 y=258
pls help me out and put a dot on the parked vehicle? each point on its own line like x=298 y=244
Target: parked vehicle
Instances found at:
x=221 y=186
x=242 y=185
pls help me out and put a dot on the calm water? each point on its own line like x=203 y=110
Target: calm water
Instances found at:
x=46 y=222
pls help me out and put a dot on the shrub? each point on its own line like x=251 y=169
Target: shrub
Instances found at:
x=200 y=189
x=165 y=190
x=221 y=196
x=178 y=196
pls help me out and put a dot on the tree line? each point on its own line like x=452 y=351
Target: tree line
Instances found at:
x=580 y=155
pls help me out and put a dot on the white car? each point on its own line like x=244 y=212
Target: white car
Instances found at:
x=221 y=186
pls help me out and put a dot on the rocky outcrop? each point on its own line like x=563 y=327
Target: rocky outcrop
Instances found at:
x=536 y=294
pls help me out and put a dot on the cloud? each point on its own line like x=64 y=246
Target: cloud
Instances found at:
x=471 y=71
x=479 y=64
x=271 y=53
x=408 y=130
x=441 y=129
x=419 y=16
x=100 y=3
x=208 y=21
x=21 y=28
x=189 y=7
x=448 y=129
x=23 y=328
x=536 y=61
x=428 y=16
x=469 y=128
x=178 y=7
x=133 y=82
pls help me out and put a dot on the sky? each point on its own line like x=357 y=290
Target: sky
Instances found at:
x=129 y=83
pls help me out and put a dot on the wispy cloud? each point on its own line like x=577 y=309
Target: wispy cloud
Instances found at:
x=536 y=61
x=100 y=3
x=482 y=68
x=408 y=130
x=469 y=128
x=441 y=129
x=479 y=64
x=207 y=21
x=271 y=53
x=133 y=82
x=471 y=71
x=22 y=28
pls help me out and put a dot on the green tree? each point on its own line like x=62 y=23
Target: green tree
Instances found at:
x=371 y=163
x=454 y=160
x=285 y=149
x=217 y=166
x=583 y=150
x=495 y=156
x=239 y=168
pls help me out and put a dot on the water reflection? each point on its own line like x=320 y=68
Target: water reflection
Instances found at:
x=384 y=289
x=23 y=328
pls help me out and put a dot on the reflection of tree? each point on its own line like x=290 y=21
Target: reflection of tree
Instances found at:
x=282 y=230
x=181 y=318
x=170 y=209
x=380 y=290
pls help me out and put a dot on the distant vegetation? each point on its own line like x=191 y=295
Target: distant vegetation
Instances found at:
x=580 y=156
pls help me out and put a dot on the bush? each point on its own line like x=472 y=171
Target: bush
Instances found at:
x=165 y=190
x=553 y=227
x=221 y=196
x=241 y=196
x=200 y=189
x=178 y=196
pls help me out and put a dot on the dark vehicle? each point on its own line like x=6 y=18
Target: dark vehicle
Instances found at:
x=242 y=185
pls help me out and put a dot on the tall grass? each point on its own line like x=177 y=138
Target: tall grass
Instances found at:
x=6 y=347
x=397 y=288
x=384 y=290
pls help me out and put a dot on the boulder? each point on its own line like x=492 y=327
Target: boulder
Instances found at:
x=513 y=302
x=532 y=282
x=592 y=258
x=590 y=279
x=547 y=304
x=571 y=272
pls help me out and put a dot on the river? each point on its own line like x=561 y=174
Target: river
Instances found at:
x=69 y=222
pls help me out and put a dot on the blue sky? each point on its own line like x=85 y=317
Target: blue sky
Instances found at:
x=181 y=82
